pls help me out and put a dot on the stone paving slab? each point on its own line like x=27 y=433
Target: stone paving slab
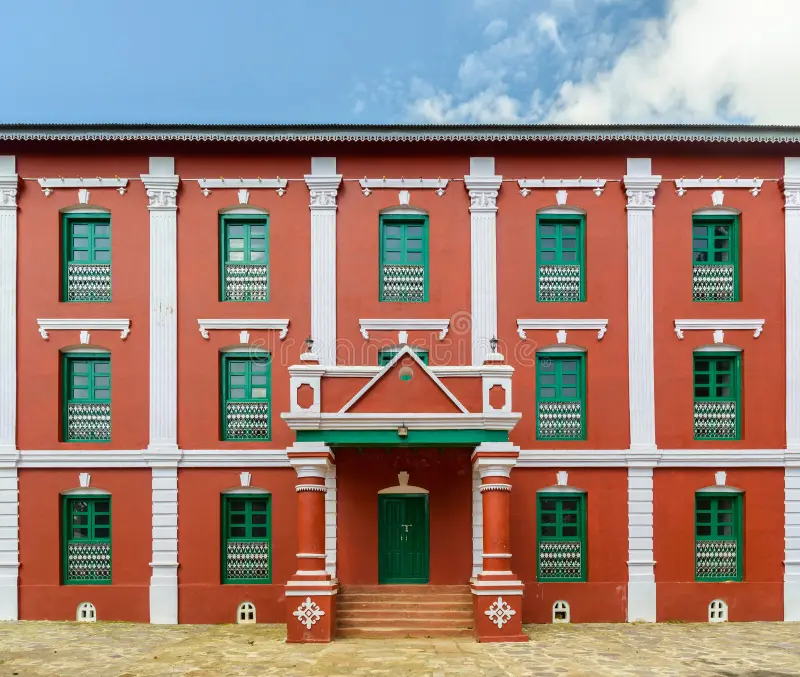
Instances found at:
x=30 y=649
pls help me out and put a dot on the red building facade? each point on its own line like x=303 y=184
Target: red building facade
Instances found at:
x=388 y=380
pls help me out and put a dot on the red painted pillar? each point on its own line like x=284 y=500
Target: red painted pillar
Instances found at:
x=310 y=593
x=497 y=592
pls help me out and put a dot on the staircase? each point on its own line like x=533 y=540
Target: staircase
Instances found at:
x=397 y=611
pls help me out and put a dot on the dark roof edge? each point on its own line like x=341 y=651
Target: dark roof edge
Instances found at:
x=398 y=133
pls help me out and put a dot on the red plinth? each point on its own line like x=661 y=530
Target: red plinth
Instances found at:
x=498 y=617
x=310 y=618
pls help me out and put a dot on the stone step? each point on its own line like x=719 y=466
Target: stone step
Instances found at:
x=403 y=632
x=392 y=605
x=364 y=615
x=423 y=622
x=404 y=589
x=375 y=598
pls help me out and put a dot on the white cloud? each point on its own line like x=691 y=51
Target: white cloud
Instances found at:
x=547 y=24
x=702 y=61
x=495 y=28
x=707 y=60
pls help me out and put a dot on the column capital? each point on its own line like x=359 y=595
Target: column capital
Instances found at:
x=8 y=191
x=310 y=459
x=162 y=192
x=483 y=191
x=323 y=190
x=791 y=192
x=495 y=459
x=640 y=191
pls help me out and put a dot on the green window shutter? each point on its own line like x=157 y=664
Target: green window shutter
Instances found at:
x=561 y=536
x=246 y=396
x=87 y=397
x=560 y=258
x=404 y=258
x=719 y=545
x=717 y=396
x=246 y=538
x=86 y=540
x=86 y=254
x=561 y=397
x=386 y=356
x=244 y=254
x=715 y=258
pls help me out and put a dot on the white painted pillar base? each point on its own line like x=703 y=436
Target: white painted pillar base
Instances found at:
x=164 y=578
x=791 y=577
x=477 y=523
x=641 y=567
x=483 y=187
x=323 y=185
x=9 y=543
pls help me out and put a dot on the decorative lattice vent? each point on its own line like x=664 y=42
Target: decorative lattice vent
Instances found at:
x=717 y=611
x=247 y=560
x=715 y=559
x=560 y=420
x=88 y=421
x=559 y=283
x=561 y=612
x=560 y=560
x=246 y=282
x=246 y=613
x=713 y=283
x=88 y=282
x=246 y=420
x=86 y=613
x=403 y=283
x=715 y=419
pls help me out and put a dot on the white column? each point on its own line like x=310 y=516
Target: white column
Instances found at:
x=164 y=578
x=483 y=186
x=791 y=580
x=641 y=567
x=640 y=187
x=161 y=185
x=791 y=187
x=477 y=523
x=323 y=185
x=330 y=521
x=9 y=494
x=8 y=304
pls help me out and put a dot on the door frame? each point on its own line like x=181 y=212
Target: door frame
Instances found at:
x=427 y=539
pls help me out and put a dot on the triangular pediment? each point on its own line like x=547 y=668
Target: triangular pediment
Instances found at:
x=404 y=385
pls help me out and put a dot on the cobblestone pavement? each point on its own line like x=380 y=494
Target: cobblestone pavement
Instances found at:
x=139 y=650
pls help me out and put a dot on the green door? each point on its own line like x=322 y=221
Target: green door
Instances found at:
x=403 y=550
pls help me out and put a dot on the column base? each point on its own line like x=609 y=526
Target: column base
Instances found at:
x=497 y=609
x=310 y=611
x=164 y=595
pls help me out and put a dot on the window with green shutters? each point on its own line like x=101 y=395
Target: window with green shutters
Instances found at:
x=244 y=269
x=404 y=258
x=560 y=257
x=561 y=536
x=561 y=397
x=717 y=396
x=246 y=538
x=718 y=536
x=386 y=356
x=86 y=540
x=246 y=396
x=86 y=267
x=715 y=258
x=87 y=397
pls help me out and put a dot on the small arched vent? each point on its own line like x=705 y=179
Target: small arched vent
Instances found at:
x=717 y=611
x=561 y=612
x=246 y=613
x=86 y=613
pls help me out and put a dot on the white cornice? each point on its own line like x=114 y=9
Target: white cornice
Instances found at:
x=757 y=326
x=601 y=326
x=442 y=326
x=230 y=458
x=669 y=458
x=278 y=184
x=391 y=421
x=597 y=185
x=82 y=458
x=368 y=185
x=206 y=325
x=681 y=185
x=49 y=184
x=81 y=324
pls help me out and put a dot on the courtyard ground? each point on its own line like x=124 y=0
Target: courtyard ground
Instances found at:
x=31 y=649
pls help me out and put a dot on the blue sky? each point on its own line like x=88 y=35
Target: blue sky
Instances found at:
x=264 y=61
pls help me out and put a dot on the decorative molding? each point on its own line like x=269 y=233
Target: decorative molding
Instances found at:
x=597 y=185
x=413 y=421
x=791 y=187
x=8 y=335
x=523 y=325
x=234 y=458
x=757 y=326
x=500 y=612
x=668 y=458
x=50 y=184
x=207 y=325
x=83 y=325
x=278 y=184
x=682 y=185
x=389 y=324
x=368 y=185
x=308 y=613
